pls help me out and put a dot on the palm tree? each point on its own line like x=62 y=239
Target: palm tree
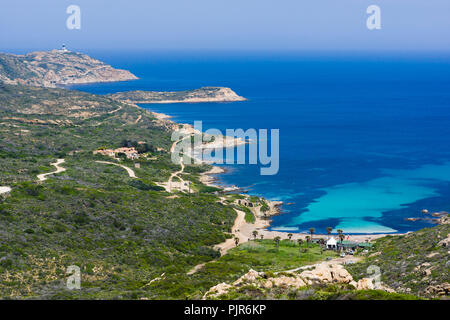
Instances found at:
x=262 y=236
x=312 y=230
x=236 y=241
x=307 y=240
x=290 y=236
x=341 y=234
x=277 y=241
x=255 y=234
x=329 y=229
x=300 y=241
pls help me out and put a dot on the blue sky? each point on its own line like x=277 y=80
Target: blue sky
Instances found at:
x=317 y=25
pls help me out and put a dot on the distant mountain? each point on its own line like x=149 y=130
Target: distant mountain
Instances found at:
x=57 y=67
x=205 y=94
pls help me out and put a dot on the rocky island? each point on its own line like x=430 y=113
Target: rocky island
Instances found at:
x=57 y=67
x=205 y=94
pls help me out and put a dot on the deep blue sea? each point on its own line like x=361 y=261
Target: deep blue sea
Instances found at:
x=364 y=139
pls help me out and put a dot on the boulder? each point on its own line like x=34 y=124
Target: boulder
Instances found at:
x=445 y=242
x=327 y=273
x=438 y=290
x=284 y=281
x=217 y=290
x=365 y=284
x=250 y=276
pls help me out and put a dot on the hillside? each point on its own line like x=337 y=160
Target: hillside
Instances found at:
x=122 y=231
x=416 y=263
x=57 y=67
x=205 y=94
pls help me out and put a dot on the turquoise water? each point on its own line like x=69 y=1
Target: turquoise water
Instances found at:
x=400 y=187
x=364 y=140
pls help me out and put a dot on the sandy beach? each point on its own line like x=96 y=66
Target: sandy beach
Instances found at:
x=244 y=230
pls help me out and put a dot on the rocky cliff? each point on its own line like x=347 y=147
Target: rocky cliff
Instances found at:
x=57 y=67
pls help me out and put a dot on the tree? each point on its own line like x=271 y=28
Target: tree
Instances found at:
x=277 y=241
x=255 y=234
x=236 y=241
x=261 y=236
x=329 y=229
x=290 y=236
x=312 y=230
x=299 y=241
x=341 y=234
x=307 y=240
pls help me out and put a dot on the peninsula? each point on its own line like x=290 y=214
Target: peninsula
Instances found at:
x=205 y=94
x=57 y=67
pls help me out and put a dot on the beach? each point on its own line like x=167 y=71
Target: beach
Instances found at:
x=244 y=230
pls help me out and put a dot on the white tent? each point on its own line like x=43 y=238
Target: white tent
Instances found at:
x=331 y=243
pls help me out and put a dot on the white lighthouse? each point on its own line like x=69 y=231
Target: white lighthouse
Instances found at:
x=63 y=48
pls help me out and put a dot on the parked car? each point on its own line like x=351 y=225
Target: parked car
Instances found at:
x=350 y=252
x=342 y=255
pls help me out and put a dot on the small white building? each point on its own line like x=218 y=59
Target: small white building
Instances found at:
x=332 y=243
x=63 y=49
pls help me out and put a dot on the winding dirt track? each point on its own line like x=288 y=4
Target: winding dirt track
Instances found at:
x=43 y=176
x=229 y=243
x=180 y=185
x=130 y=171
